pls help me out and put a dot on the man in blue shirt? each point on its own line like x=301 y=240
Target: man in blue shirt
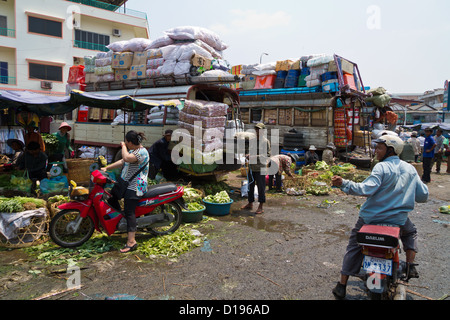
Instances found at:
x=428 y=155
x=391 y=190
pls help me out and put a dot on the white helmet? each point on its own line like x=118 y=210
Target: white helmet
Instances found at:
x=392 y=141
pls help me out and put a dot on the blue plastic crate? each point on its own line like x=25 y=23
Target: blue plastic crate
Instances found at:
x=287 y=152
x=305 y=71
x=329 y=76
x=331 y=87
x=292 y=79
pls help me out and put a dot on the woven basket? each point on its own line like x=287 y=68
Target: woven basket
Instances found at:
x=78 y=170
x=33 y=234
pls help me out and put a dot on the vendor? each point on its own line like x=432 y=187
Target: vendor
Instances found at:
x=35 y=161
x=33 y=135
x=311 y=157
x=283 y=163
x=328 y=154
x=160 y=158
x=18 y=147
x=63 y=137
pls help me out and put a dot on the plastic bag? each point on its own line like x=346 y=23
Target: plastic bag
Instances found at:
x=22 y=183
x=57 y=184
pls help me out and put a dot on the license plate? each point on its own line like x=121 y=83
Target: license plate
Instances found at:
x=378 y=265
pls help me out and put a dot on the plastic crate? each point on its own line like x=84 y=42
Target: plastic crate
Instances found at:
x=331 y=87
x=292 y=79
x=329 y=76
x=305 y=71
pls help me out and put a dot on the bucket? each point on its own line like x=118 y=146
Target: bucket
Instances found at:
x=217 y=209
x=192 y=216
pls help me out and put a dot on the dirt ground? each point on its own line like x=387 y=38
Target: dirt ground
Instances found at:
x=291 y=252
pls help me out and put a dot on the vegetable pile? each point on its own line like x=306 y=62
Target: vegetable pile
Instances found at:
x=19 y=204
x=220 y=197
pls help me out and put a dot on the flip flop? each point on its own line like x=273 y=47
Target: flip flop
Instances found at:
x=259 y=212
x=247 y=207
x=133 y=248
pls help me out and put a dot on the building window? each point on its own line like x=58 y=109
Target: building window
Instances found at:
x=43 y=26
x=45 y=72
x=4 y=79
x=91 y=40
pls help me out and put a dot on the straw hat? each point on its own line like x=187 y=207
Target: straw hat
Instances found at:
x=9 y=142
x=312 y=148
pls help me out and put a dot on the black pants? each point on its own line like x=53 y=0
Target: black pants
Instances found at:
x=131 y=201
x=256 y=178
x=427 y=164
x=277 y=182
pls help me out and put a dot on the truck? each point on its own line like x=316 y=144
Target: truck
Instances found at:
x=94 y=128
x=307 y=116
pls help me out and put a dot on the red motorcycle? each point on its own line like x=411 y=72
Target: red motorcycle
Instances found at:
x=384 y=270
x=158 y=212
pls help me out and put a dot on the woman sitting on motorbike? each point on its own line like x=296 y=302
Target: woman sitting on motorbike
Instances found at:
x=134 y=157
x=391 y=190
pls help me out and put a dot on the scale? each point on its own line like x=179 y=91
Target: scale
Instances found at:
x=57 y=169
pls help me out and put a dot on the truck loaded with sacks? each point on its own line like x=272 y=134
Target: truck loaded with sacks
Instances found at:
x=313 y=100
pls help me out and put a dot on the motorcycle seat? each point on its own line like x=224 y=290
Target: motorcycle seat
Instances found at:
x=380 y=236
x=156 y=190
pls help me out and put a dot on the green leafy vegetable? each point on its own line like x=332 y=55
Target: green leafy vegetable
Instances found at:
x=221 y=197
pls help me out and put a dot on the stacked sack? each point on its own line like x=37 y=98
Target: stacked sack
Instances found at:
x=89 y=69
x=103 y=67
x=180 y=46
x=157 y=115
x=205 y=121
x=318 y=65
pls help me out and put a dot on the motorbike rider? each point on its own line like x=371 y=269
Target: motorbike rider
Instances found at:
x=134 y=156
x=391 y=190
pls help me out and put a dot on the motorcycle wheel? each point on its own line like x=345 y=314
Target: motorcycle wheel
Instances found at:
x=62 y=236
x=173 y=210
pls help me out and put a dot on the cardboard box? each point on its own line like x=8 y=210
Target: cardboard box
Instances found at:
x=138 y=72
x=121 y=74
x=139 y=58
x=296 y=65
x=122 y=60
x=283 y=65
x=200 y=61
x=347 y=67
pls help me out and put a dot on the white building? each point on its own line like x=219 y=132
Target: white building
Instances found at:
x=41 y=39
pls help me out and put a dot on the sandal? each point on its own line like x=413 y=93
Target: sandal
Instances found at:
x=130 y=249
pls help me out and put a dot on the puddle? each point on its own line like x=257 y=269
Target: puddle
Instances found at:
x=259 y=222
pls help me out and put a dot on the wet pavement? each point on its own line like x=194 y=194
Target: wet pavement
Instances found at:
x=291 y=252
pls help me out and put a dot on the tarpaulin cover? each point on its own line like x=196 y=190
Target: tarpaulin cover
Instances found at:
x=45 y=105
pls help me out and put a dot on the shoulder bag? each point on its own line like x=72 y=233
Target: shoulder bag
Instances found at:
x=120 y=188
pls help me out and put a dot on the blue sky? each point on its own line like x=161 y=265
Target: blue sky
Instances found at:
x=403 y=46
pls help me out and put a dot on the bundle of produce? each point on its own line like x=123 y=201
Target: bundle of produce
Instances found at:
x=209 y=119
x=205 y=122
x=205 y=108
x=203 y=143
x=19 y=204
x=220 y=197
